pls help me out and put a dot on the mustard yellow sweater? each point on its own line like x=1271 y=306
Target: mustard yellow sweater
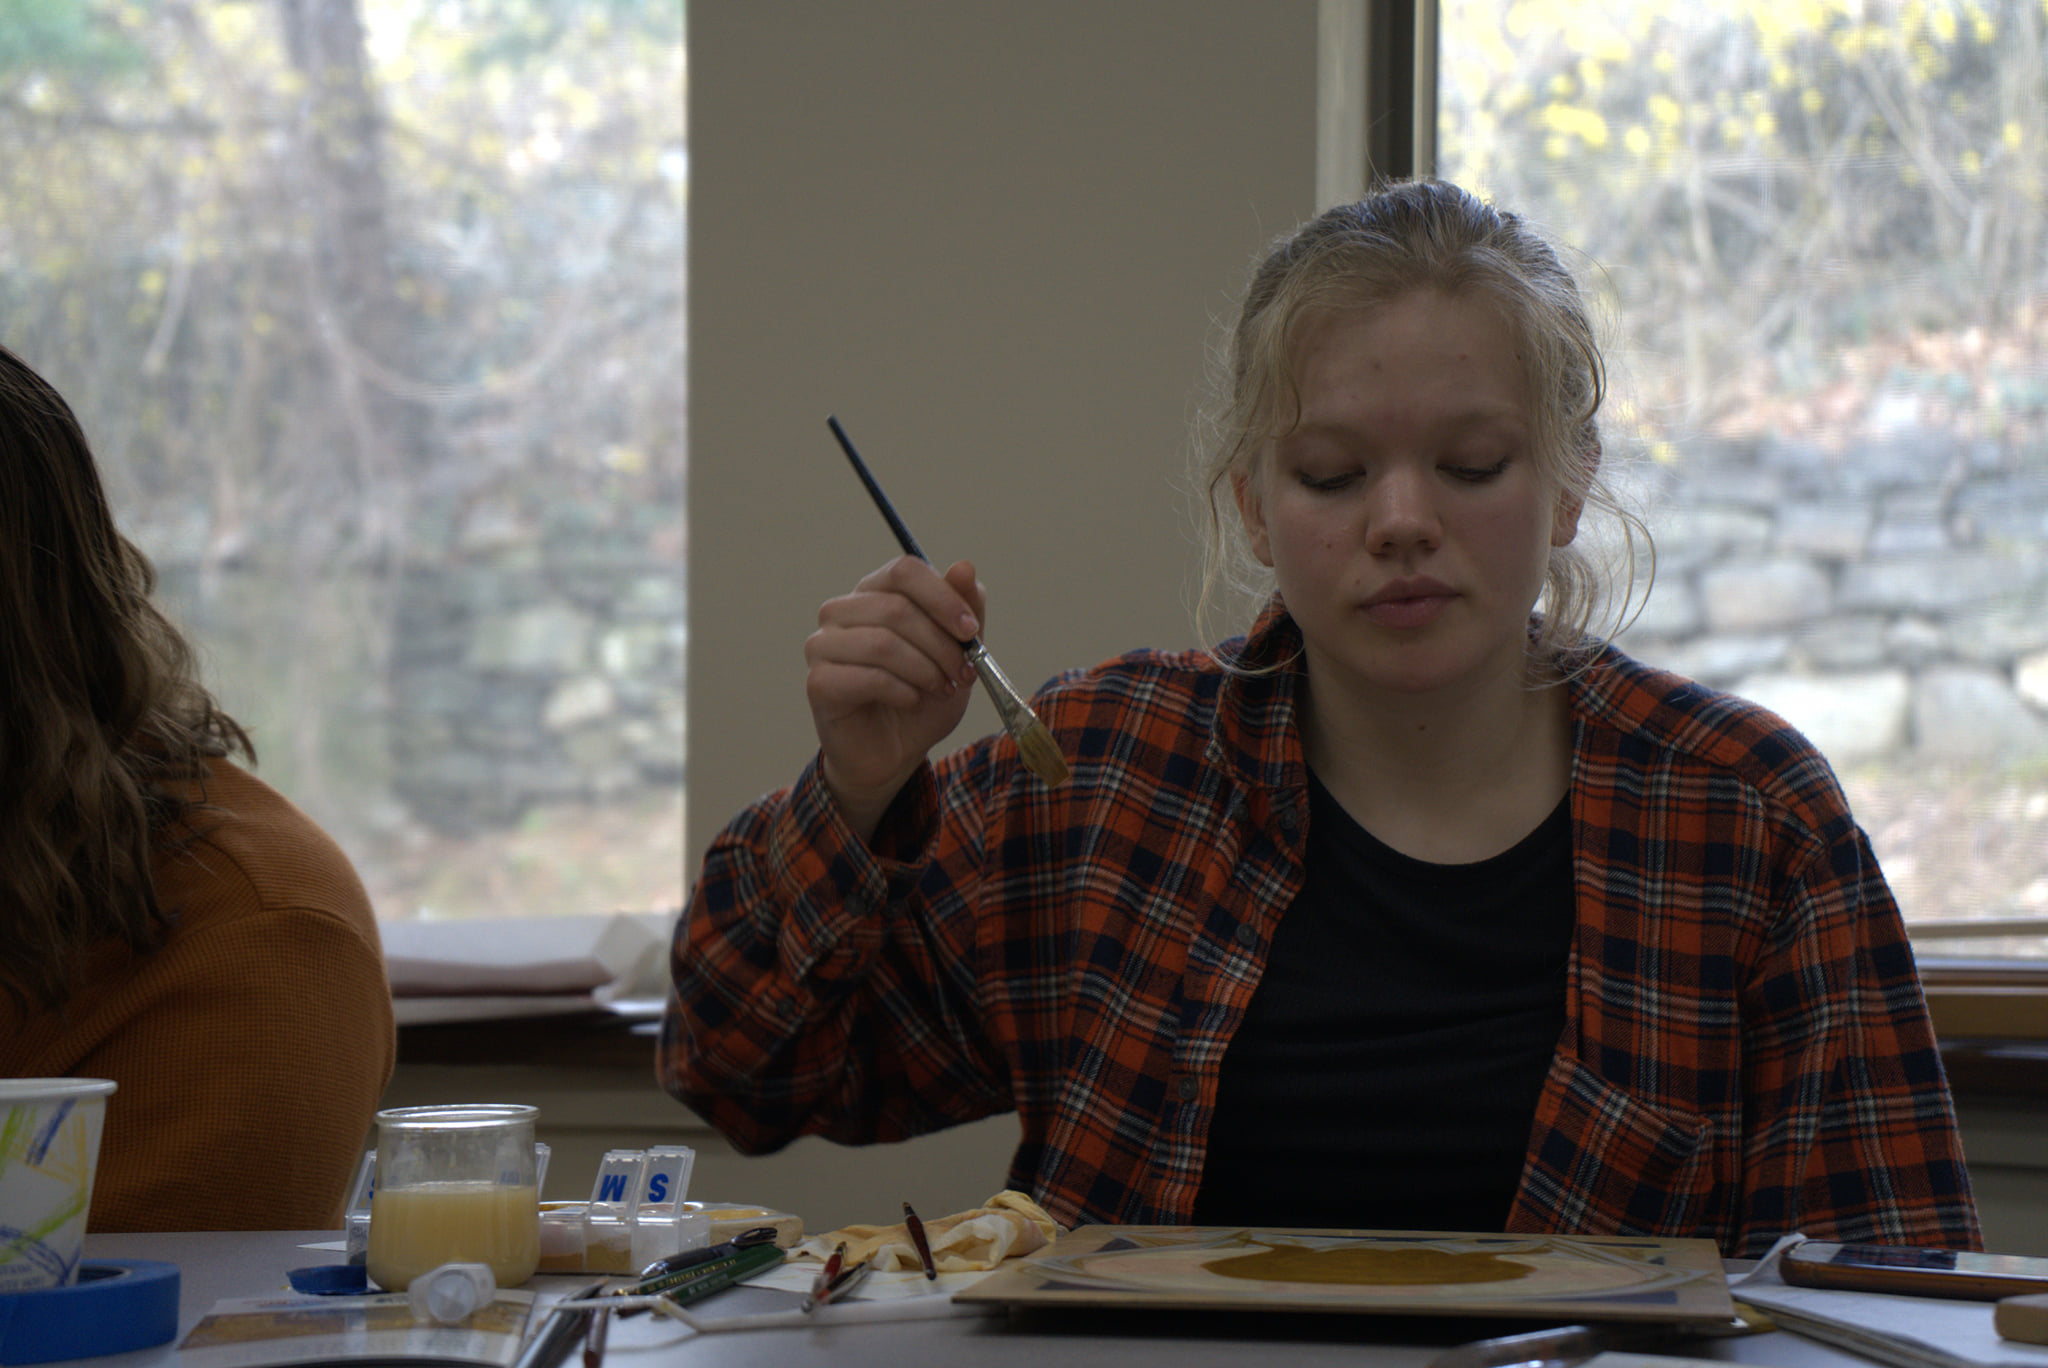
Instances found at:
x=250 y=1049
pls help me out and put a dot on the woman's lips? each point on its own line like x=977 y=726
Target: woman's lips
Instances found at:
x=1414 y=604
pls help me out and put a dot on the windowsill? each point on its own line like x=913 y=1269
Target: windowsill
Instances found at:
x=569 y=990
x=1986 y=999
x=1991 y=1018
x=617 y=1036
x=1994 y=1013
x=1997 y=1070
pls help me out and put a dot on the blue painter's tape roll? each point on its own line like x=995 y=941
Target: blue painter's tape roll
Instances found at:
x=116 y=1305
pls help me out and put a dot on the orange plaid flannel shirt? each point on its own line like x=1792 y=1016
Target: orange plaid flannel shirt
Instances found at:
x=1747 y=1050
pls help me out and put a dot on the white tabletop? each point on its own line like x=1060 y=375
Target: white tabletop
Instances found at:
x=215 y=1265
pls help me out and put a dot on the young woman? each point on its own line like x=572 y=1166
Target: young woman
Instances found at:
x=167 y=920
x=1410 y=908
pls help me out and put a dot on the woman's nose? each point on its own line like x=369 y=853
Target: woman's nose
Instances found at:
x=1403 y=512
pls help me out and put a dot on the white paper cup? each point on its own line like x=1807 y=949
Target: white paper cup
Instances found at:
x=49 y=1147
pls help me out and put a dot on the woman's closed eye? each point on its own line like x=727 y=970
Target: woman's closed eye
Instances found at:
x=1332 y=480
x=1472 y=474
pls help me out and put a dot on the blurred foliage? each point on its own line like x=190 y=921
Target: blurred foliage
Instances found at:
x=1765 y=183
x=315 y=302
x=344 y=290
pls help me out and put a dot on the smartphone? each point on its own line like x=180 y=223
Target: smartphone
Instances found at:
x=1915 y=1272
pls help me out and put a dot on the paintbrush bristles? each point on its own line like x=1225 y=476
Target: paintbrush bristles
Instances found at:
x=1041 y=754
x=1035 y=744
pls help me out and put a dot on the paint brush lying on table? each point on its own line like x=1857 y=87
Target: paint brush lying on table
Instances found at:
x=1041 y=754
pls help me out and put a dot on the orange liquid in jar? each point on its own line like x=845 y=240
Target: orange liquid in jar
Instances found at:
x=416 y=1229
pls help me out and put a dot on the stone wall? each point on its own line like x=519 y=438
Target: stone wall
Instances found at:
x=535 y=674
x=1889 y=599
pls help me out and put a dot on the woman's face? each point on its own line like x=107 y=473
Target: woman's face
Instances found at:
x=1403 y=516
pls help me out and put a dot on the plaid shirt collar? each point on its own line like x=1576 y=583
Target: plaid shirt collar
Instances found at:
x=1255 y=732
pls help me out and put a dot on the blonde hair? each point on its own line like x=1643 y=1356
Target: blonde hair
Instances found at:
x=1408 y=236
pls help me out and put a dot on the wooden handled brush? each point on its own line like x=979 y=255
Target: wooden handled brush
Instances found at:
x=1035 y=744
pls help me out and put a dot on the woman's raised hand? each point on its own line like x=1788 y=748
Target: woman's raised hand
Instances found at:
x=889 y=678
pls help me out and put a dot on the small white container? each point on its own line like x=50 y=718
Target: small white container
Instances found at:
x=448 y=1294
x=50 y=1132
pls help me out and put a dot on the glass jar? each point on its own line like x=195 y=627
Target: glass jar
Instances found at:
x=455 y=1184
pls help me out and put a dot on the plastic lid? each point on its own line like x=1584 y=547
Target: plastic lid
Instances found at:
x=446 y=1295
x=330 y=1280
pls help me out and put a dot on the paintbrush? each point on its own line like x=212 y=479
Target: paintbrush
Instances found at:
x=1035 y=743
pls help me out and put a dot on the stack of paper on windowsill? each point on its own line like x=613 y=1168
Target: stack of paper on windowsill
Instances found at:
x=472 y=970
x=1907 y=1332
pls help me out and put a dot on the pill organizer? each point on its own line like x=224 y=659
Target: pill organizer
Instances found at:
x=638 y=1212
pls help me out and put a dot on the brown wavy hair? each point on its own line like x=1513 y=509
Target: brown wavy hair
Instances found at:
x=101 y=710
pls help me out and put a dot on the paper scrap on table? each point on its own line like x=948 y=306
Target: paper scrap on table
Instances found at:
x=894 y=1285
x=1006 y=1226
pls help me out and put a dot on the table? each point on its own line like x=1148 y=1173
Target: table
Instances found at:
x=220 y=1264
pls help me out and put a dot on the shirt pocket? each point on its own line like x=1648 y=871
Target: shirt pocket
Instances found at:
x=1603 y=1161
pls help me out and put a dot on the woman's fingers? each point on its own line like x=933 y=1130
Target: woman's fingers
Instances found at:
x=960 y=579
x=886 y=674
x=861 y=665
x=952 y=601
x=904 y=620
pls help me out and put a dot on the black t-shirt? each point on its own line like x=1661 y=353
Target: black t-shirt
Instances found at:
x=1386 y=1073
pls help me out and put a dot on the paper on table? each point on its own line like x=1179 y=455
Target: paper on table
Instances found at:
x=1006 y=1226
x=1907 y=1332
x=965 y=1245
x=797 y=1276
x=880 y=1297
x=274 y=1332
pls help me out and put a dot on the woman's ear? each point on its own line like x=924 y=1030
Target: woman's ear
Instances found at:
x=1249 y=507
x=1564 y=519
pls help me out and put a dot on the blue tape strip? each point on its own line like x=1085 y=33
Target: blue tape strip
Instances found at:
x=115 y=1306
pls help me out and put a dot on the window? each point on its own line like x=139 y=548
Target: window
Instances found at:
x=373 y=310
x=1818 y=231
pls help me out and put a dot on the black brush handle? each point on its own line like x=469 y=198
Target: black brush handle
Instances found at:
x=860 y=468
